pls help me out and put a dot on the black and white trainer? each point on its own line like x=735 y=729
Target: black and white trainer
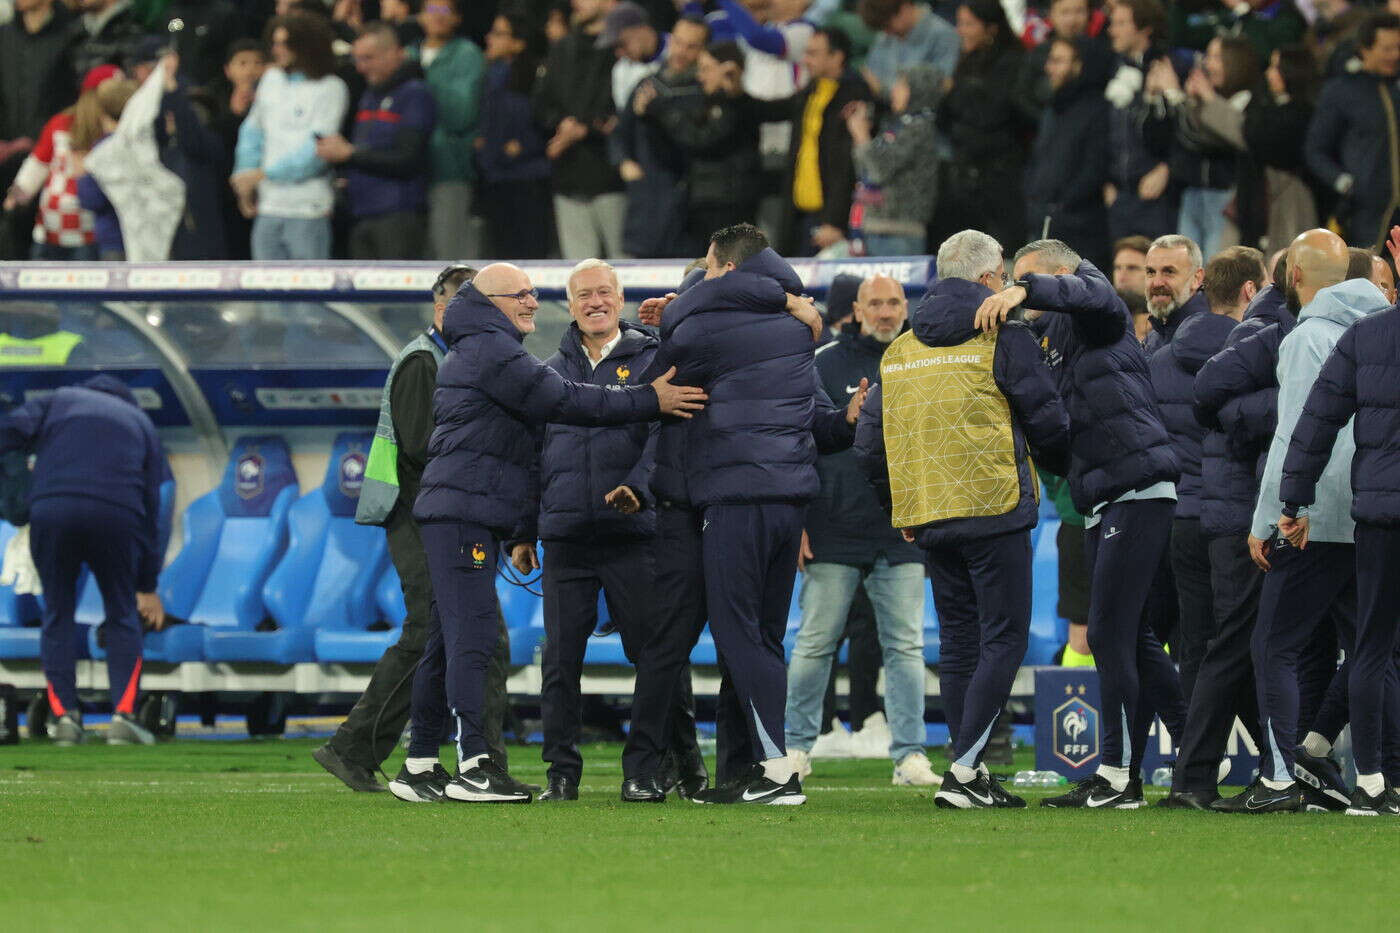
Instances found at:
x=1096 y=793
x=1322 y=775
x=67 y=729
x=486 y=783
x=1259 y=798
x=1386 y=803
x=758 y=789
x=1003 y=797
x=423 y=787
x=976 y=794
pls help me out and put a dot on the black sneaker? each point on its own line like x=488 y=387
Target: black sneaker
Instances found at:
x=1322 y=775
x=486 y=783
x=1257 y=798
x=1189 y=800
x=1095 y=793
x=1383 y=804
x=1003 y=797
x=973 y=795
x=425 y=787
x=758 y=789
x=354 y=776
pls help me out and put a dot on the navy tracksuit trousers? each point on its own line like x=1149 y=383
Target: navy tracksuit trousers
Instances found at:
x=1196 y=616
x=982 y=591
x=1372 y=684
x=65 y=534
x=750 y=559
x=1137 y=680
x=573 y=576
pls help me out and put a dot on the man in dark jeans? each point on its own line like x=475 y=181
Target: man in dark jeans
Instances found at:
x=395 y=467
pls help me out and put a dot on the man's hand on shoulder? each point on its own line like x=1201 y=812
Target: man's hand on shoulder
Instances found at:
x=649 y=312
x=805 y=310
x=680 y=401
x=995 y=309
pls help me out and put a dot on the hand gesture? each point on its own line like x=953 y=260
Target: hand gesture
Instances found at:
x=152 y=610
x=171 y=63
x=1154 y=184
x=334 y=149
x=1199 y=86
x=827 y=235
x=631 y=170
x=1295 y=530
x=995 y=309
x=624 y=500
x=1392 y=245
x=1259 y=553
x=643 y=98
x=649 y=311
x=523 y=558
x=805 y=310
x=857 y=401
x=804 y=552
x=680 y=401
x=857 y=117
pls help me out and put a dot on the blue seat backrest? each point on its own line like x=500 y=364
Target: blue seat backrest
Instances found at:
x=233 y=538
x=328 y=576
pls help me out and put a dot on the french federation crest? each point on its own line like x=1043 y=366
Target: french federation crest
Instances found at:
x=352 y=474
x=248 y=476
x=1076 y=732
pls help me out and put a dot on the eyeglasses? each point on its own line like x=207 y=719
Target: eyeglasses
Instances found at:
x=520 y=296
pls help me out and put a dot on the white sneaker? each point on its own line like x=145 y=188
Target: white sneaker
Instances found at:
x=834 y=744
x=873 y=739
x=801 y=762
x=915 y=771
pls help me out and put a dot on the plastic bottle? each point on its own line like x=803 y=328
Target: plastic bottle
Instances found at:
x=1050 y=779
x=1024 y=779
x=1162 y=777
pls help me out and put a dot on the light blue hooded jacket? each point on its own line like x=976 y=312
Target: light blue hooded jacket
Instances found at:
x=1300 y=358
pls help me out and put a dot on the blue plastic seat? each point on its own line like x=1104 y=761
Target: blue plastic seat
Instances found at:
x=327 y=576
x=1048 y=630
x=349 y=646
x=233 y=536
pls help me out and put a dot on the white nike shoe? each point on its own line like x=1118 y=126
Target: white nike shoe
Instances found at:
x=914 y=770
x=801 y=762
x=833 y=744
x=873 y=739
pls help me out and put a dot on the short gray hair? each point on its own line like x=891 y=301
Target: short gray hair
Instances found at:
x=1050 y=254
x=969 y=255
x=584 y=266
x=1179 y=241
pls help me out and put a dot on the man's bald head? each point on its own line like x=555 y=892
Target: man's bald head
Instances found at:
x=509 y=288
x=1317 y=259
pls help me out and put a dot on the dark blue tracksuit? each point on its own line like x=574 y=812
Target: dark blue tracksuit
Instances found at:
x=95 y=500
x=1118 y=447
x=589 y=546
x=732 y=483
x=492 y=400
x=1359 y=380
x=981 y=567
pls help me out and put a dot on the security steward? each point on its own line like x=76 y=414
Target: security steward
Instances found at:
x=95 y=500
x=588 y=544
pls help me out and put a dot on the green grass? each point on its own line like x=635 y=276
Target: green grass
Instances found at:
x=253 y=836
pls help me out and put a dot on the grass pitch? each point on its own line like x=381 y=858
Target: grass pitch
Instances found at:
x=254 y=836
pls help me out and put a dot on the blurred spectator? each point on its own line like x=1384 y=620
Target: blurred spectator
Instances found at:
x=404 y=16
x=908 y=34
x=277 y=173
x=773 y=35
x=986 y=128
x=201 y=33
x=840 y=308
x=233 y=94
x=453 y=67
x=573 y=101
x=1130 y=264
x=897 y=167
x=191 y=147
x=1350 y=145
x=1139 y=128
x=1276 y=191
x=1069 y=160
x=1331 y=37
x=111 y=99
x=510 y=152
x=109 y=33
x=719 y=136
x=386 y=164
x=62 y=229
x=628 y=31
x=652 y=165
x=1068 y=19
x=1209 y=112
x=1265 y=24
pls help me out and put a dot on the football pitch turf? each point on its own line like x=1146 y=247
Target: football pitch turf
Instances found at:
x=254 y=836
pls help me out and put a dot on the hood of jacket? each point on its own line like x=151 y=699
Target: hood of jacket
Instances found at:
x=945 y=316
x=111 y=385
x=470 y=312
x=766 y=264
x=1096 y=66
x=635 y=338
x=1199 y=338
x=925 y=88
x=1345 y=303
x=1271 y=306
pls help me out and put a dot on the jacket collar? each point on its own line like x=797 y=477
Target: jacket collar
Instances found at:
x=470 y=312
x=851 y=336
x=944 y=317
x=1271 y=305
x=1196 y=304
x=633 y=339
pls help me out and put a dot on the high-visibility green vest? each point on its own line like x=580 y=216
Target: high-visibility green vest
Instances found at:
x=948 y=435
x=48 y=350
x=380 y=491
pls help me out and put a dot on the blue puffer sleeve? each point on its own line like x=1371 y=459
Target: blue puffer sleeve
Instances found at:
x=1021 y=374
x=870 y=446
x=1330 y=405
x=1098 y=313
x=830 y=429
x=535 y=393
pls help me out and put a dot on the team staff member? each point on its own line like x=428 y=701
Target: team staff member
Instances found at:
x=950 y=431
x=591 y=546
x=392 y=475
x=95 y=500
x=1122 y=475
x=492 y=399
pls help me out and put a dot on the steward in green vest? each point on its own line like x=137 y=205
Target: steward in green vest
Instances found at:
x=948 y=436
x=52 y=350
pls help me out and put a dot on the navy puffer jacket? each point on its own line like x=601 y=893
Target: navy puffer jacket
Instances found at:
x=754 y=440
x=1358 y=380
x=1163 y=332
x=1237 y=399
x=1039 y=422
x=1174 y=369
x=492 y=400
x=579 y=466
x=1118 y=442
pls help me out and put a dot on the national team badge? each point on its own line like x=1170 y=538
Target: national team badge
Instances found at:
x=1076 y=732
x=248 y=476
x=478 y=556
x=622 y=373
x=352 y=474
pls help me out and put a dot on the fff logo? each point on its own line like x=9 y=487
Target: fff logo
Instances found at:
x=1076 y=732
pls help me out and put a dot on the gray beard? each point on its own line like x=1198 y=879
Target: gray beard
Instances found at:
x=1166 y=312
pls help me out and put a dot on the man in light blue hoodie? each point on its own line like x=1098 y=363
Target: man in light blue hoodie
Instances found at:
x=1302 y=586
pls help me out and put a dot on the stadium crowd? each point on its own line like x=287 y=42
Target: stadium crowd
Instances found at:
x=407 y=129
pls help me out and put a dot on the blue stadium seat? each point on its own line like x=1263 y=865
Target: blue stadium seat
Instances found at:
x=351 y=646
x=524 y=615
x=1048 y=630
x=327 y=577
